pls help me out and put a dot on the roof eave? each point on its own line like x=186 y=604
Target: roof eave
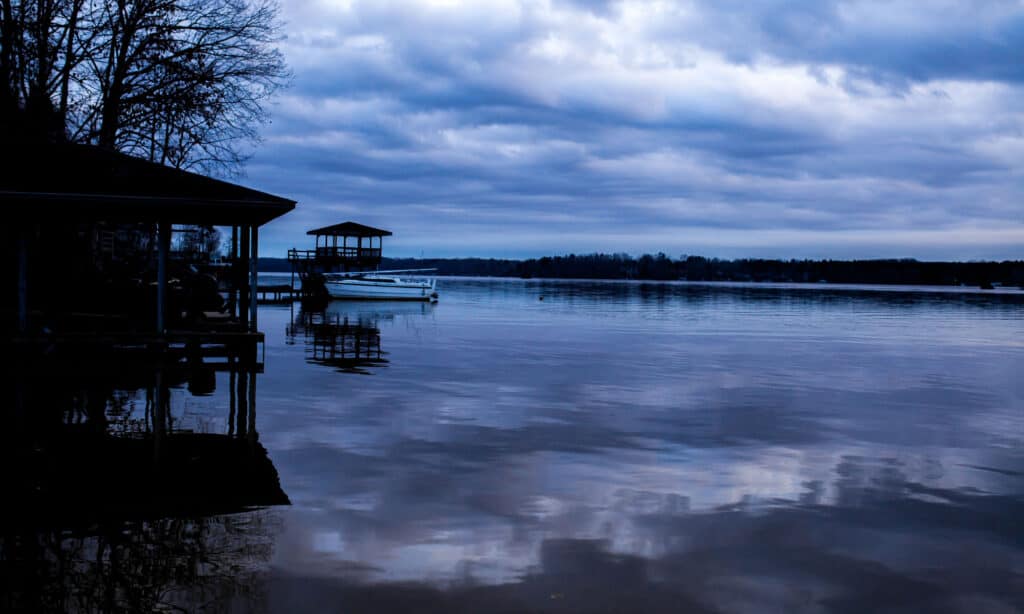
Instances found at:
x=117 y=207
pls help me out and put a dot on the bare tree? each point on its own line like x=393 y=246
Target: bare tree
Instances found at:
x=38 y=56
x=181 y=82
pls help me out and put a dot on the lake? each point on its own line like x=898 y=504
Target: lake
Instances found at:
x=572 y=446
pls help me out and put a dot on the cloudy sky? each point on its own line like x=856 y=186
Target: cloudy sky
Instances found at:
x=775 y=128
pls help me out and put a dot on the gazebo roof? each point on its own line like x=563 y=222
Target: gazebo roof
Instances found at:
x=349 y=229
x=57 y=182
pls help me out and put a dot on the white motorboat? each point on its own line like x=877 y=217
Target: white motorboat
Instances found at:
x=380 y=285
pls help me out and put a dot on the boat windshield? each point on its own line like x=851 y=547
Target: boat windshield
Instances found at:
x=374 y=278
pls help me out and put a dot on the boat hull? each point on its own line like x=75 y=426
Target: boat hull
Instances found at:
x=354 y=289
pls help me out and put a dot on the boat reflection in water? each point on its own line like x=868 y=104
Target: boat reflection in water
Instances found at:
x=116 y=499
x=346 y=335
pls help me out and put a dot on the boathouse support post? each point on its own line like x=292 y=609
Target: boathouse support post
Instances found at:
x=163 y=247
x=251 y=430
x=22 y=281
x=242 y=280
x=232 y=376
x=242 y=400
x=233 y=292
x=159 y=414
x=253 y=282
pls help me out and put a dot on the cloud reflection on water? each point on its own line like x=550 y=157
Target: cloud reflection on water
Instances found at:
x=703 y=448
x=616 y=447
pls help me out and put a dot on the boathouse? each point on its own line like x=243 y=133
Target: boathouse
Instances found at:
x=115 y=290
x=67 y=204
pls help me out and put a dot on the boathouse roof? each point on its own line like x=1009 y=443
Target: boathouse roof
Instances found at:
x=349 y=229
x=56 y=182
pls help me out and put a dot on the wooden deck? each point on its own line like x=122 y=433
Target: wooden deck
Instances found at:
x=277 y=293
x=237 y=349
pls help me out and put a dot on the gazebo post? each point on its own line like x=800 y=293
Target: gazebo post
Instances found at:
x=163 y=247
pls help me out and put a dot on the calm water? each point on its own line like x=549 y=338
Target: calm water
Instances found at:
x=575 y=446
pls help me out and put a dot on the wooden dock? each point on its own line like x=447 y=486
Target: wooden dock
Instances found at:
x=237 y=351
x=277 y=293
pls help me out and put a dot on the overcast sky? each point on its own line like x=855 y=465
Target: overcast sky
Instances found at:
x=724 y=128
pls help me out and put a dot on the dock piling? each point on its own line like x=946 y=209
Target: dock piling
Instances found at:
x=255 y=244
x=22 y=281
x=161 y=276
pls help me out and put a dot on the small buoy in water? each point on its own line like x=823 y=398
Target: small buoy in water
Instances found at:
x=542 y=297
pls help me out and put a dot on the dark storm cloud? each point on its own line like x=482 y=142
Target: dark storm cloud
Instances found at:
x=896 y=43
x=522 y=128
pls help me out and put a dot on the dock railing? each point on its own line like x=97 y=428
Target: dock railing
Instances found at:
x=335 y=253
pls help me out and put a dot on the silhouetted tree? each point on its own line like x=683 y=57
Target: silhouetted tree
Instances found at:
x=201 y=241
x=181 y=82
x=698 y=268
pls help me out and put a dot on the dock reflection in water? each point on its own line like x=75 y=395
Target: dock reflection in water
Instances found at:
x=346 y=335
x=117 y=499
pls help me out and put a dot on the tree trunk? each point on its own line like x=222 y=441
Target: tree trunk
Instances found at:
x=69 y=60
x=8 y=36
x=110 y=115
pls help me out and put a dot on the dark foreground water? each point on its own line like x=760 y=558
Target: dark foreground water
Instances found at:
x=576 y=447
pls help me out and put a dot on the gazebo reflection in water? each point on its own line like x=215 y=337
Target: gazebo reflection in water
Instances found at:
x=348 y=342
x=347 y=335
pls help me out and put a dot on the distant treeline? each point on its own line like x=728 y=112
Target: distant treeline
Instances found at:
x=698 y=268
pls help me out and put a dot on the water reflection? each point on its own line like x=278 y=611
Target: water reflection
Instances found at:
x=664 y=448
x=116 y=499
x=630 y=447
x=170 y=564
x=955 y=553
x=887 y=543
x=346 y=335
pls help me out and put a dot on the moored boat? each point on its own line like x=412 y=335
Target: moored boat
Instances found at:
x=381 y=285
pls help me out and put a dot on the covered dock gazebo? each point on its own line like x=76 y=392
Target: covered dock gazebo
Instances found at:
x=339 y=248
x=48 y=185
x=330 y=254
